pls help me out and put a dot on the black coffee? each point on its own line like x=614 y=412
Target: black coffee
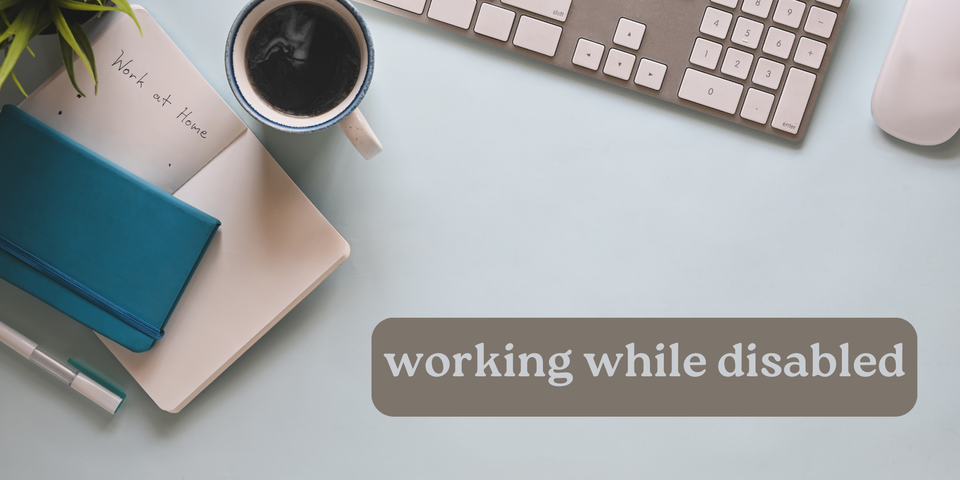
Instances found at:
x=303 y=59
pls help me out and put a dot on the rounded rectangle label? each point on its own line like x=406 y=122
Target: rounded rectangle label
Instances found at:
x=644 y=367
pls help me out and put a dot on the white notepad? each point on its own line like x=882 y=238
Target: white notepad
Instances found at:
x=274 y=246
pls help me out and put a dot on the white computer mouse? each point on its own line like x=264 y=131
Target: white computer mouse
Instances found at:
x=917 y=97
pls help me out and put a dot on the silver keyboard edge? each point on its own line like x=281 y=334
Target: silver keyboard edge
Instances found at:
x=660 y=14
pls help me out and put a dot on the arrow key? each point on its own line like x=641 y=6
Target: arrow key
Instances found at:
x=650 y=74
x=588 y=54
x=629 y=34
x=619 y=64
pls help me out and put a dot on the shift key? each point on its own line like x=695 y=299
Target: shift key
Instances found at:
x=555 y=9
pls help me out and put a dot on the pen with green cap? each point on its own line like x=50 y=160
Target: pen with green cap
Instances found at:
x=84 y=382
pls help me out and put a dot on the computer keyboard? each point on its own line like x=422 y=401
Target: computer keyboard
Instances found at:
x=758 y=63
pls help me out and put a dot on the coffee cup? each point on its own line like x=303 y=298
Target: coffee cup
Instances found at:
x=302 y=66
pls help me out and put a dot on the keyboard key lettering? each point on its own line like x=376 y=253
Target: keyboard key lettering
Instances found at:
x=747 y=32
x=706 y=53
x=793 y=100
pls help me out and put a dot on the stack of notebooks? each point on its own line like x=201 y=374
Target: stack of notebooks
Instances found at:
x=156 y=119
x=91 y=239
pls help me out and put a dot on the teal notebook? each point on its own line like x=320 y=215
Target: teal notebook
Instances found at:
x=91 y=239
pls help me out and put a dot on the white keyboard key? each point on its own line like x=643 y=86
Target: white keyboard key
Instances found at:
x=706 y=53
x=768 y=74
x=588 y=54
x=537 y=36
x=413 y=6
x=716 y=23
x=710 y=91
x=810 y=53
x=619 y=64
x=789 y=13
x=756 y=106
x=737 y=63
x=555 y=9
x=832 y=3
x=820 y=22
x=650 y=74
x=779 y=43
x=727 y=3
x=793 y=100
x=747 y=32
x=629 y=34
x=458 y=13
x=494 y=22
x=760 y=8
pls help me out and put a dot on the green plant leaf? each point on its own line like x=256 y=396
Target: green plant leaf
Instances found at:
x=13 y=76
x=21 y=29
x=67 y=35
x=122 y=6
x=84 y=42
x=43 y=18
x=11 y=28
x=67 y=55
x=90 y=7
x=5 y=4
x=43 y=21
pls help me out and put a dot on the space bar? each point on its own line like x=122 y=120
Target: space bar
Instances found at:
x=555 y=9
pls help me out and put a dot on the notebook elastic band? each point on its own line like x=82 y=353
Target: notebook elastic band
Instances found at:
x=80 y=289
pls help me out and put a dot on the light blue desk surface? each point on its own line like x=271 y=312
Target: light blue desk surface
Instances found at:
x=510 y=188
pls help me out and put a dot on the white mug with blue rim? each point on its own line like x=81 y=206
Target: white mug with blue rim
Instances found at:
x=303 y=65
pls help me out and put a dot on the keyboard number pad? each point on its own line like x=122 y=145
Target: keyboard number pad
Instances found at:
x=784 y=105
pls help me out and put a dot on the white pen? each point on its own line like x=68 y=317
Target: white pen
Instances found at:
x=77 y=380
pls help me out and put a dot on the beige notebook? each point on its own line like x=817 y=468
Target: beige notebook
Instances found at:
x=273 y=248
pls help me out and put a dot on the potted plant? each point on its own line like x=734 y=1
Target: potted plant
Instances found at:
x=22 y=20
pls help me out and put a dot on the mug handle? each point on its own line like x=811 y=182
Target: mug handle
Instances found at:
x=356 y=128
